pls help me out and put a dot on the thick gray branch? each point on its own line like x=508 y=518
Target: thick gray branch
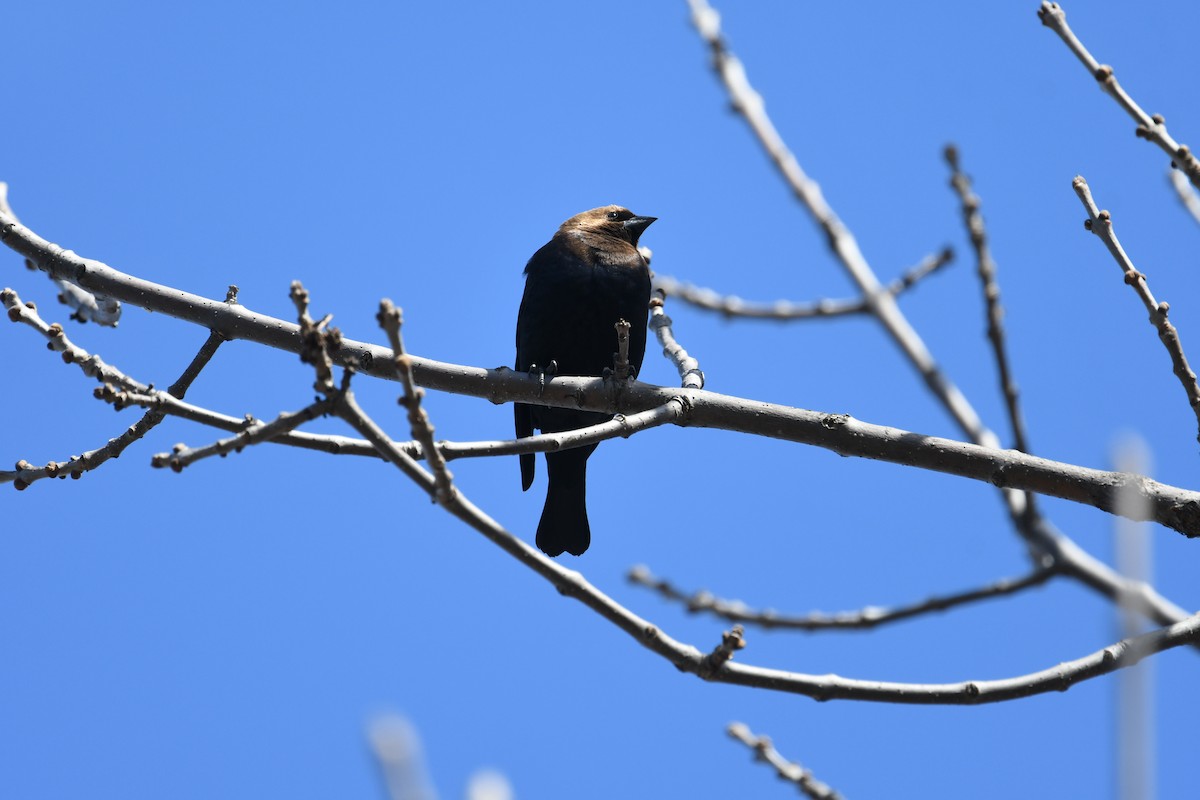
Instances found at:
x=1174 y=507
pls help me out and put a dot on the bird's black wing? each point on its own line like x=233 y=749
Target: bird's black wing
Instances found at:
x=523 y=414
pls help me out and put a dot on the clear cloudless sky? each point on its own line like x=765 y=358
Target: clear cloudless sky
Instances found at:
x=231 y=631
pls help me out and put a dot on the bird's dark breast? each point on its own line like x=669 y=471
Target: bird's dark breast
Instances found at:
x=568 y=315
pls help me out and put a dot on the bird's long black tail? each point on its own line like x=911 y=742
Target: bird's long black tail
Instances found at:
x=564 y=524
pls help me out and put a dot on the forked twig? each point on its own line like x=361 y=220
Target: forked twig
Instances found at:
x=93 y=366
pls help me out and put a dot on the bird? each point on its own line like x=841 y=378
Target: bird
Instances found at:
x=577 y=286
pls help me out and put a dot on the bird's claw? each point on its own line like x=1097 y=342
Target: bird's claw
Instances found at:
x=543 y=374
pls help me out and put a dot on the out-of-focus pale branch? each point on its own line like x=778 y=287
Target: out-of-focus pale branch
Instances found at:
x=1100 y=223
x=789 y=771
x=732 y=306
x=1152 y=128
x=84 y=305
x=397 y=749
x=1186 y=192
x=862 y=619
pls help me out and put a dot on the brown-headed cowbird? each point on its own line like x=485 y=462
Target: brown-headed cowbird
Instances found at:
x=577 y=286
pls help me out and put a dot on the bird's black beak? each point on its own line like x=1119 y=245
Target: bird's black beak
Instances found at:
x=635 y=226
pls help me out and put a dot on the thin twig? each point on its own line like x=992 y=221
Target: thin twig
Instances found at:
x=732 y=306
x=1152 y=128
x=862 y=619
x=1186 y=193
x=688 y=367
x=182 y=456
x=787 y=770
x=390 y=319
x=1100 y=223
x=961 y=183
x=986 y=270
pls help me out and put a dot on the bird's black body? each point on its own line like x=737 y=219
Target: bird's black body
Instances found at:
x=576 y=288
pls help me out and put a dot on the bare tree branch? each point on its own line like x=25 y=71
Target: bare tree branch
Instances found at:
x=793 y=773
x=1152 y=128
x=861 y=619
x=732 y=306
x=1100 y=223
x=1176 y=508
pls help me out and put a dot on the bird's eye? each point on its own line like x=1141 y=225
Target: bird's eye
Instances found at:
x=613 y=215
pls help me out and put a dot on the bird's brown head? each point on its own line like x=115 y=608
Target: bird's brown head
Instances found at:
x=615 y=221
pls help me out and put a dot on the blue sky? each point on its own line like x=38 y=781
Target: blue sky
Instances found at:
x=231 y=631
